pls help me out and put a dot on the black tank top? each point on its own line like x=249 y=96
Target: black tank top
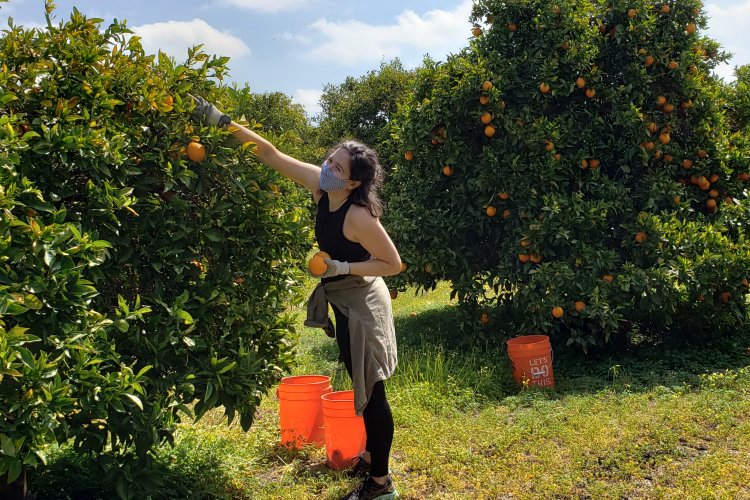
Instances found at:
x=329 y=232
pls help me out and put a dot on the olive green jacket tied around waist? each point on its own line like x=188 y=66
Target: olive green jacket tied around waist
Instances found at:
x=366 y=302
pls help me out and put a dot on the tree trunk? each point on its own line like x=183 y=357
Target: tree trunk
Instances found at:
x=17 y=490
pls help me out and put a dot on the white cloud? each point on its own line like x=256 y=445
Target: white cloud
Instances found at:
x=174 y=38
x=309 y=99
x=269 y=6
x=350 y=42
x=296 y=37
x=728 y=26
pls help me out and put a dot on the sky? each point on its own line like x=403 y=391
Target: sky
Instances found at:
x=298 y=46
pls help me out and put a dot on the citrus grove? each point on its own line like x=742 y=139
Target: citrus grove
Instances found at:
x=572 y=172
x=146 y=261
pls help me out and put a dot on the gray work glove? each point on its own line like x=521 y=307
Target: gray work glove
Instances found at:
x=208 y=113
x=335 y=268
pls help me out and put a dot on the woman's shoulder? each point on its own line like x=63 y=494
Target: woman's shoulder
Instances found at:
x=361 y=216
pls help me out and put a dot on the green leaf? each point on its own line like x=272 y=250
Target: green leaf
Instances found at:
x=135 y=399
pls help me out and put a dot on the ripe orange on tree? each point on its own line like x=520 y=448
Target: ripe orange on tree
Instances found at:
x=549 y=145
x=491 y=211
x=487 y=85
x=665 y=9
x=447 y=171
x=649 y=60
x=580 y=82
x=608 y=278
x=543 y=88
x=557 y=312
x=535 y=258
x=484 y=100
x=690 y=28
x=632 y=13
x=486 y=117
x=503 y=195
x=477 y=31
x=590 y=93
x=409 y=156
x=316 y=265
x=711 y=204
x=641 y=236
x=512 y=27
x=580 y=306
x=593 y=163
x=196 y=151
x=489 y=131
x=524 y=257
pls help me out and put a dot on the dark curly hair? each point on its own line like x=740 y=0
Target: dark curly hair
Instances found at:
x=365 y=167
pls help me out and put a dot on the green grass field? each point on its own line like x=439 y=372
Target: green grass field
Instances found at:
x=655 y=423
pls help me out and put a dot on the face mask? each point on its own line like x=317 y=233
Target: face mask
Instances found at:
x=328 y=181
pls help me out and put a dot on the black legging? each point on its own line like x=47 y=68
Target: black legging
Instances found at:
x=377 y=415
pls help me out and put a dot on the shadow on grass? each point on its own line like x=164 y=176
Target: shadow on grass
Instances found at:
x=635 y=367
x=184 y=474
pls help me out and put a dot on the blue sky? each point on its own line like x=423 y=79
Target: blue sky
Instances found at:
x=297 y=46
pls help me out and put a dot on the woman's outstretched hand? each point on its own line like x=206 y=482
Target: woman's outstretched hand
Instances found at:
x=206 y=112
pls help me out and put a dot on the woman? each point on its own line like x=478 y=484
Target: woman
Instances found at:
x=347 y=227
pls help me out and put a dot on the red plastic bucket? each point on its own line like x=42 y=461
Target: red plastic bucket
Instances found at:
x=301 y=411
x=344 y=431
x=531 y=357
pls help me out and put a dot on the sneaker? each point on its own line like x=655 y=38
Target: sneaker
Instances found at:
x=360 y=468
x=370 y=490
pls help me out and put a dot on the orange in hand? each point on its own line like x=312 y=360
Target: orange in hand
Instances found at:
x=317 y=266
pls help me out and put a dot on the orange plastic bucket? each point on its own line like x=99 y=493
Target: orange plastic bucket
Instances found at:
x=344 y=430
x=301 y=411
x=531 y=357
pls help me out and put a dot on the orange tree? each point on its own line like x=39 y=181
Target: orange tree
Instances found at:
x=570 y=173
x=147 y=262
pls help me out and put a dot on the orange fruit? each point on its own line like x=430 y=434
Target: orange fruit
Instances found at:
x=477 y=31
x=713 y=178
x=512 y=27
x=196 y=151
x=506 y=213
x=594 y=163
x=687 y=104
x=661 y=100
x=590 y=93
x=484 y=100
x=535 y=258
x=447 y=171
x=632 y=13
x=640 y=237
x=557 y=312
x=503 y=195
x=549 y=146
x=487 y=86
x=580 y=82
x=702 y=154
x=393 y=293
x=725 y=297
x=608 y=278
x=729 y=200
x=525 y=242
x=543 y=88
x=665 y=9
x=557 y=156
x=168 y=101
x=687 y=163
x=409 y=156
x=690 y=28
x=668 y=108
x=664 y=138
x=484 y=318
x=677 y=200
x=648 y=145
x=649 y=60
x=668 y=158
x=653 y=127
x=673 y=65
x=486 y=117
x=489 y=131
x=317 y=266
x=491 y=211
x=711 y=204
x=523 y=257
x=580 y=305
x=584 y=163
x=744 y=176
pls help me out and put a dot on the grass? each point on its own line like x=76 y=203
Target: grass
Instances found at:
x=651 y=423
